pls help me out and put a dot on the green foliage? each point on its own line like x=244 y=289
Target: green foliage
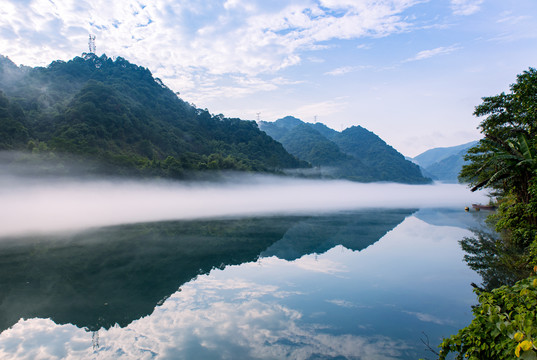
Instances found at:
x=516 y=220
x=308 y=144
x=383 y=161
x=497 y=260
x=503 y=164
x=513 y=113
x=504 y=325
x=354 y=154
x=506 y=158
x=13 y=131
x=115 y=112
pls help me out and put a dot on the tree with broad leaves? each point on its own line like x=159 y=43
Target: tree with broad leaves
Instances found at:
x=505 y=159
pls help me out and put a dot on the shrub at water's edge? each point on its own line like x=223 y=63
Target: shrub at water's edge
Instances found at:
x=503 y=326
x=505 y=161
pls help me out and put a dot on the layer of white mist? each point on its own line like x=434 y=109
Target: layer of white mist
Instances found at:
x=66 y=205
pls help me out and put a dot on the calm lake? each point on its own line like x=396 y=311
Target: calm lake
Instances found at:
x=352 y=284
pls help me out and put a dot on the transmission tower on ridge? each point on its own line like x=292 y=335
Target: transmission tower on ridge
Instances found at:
x=91 y=44
x=258 y=116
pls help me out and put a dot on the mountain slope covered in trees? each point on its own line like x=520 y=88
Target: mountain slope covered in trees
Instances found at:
x=354 y=154
x=445 y=163
x=116 y=113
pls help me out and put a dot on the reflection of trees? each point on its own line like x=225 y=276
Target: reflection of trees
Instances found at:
x=118 y=274
x=111 y=275
x=498 y=261
x=355 y=230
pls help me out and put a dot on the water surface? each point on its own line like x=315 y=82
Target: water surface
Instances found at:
x=356 y=284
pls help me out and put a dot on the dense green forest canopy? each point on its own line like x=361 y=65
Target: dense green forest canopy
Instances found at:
x=354 y=154
x=505 y=161
x=116 y=113
x=120 y=119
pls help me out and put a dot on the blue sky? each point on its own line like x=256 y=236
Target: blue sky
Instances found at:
x=411 y=71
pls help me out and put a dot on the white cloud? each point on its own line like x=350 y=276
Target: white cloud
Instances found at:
x=187 y=44
x=466 y=7
x=428 y=318
x=325 y=266
x=513 y=19
x=43 y=339
x=425 y=54
x=342 y=303
x=315 y=59
x=322 y=108
x=233 y=4
x=341 y=70
x=345 y=70
x=198 y=321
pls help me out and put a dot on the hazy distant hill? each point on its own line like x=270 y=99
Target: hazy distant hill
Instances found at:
x=435 y=155
x=116 y=113
x=355 y=153
x=444 y=163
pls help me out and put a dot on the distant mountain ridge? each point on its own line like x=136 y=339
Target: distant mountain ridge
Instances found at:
x=435 y=155
x=116 y=113
x=354 y=154
x=444 y=163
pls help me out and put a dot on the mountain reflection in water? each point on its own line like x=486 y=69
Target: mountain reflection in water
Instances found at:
x=354 y=231
x=118 y=274
x=269 y=288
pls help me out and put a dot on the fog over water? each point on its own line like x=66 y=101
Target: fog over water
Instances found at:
x=31 y=205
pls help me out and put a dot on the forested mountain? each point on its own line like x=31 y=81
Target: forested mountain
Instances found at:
x=117 y=113
x=444 y=163
x=355 y=153
x=435 y=155
x=308 y=144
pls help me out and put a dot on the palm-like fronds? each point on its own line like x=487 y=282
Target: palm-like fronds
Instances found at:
x=512 y=162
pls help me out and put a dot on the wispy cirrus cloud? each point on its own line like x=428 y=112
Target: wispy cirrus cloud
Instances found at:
x=346 y=69
x=341 y=70
x=428 y=318
x=342 y=303
x=442 y=50
x=466 y=7
x=510 y=19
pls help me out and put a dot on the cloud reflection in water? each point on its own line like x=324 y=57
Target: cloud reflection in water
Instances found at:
x=275 y=308
x=197 y=323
